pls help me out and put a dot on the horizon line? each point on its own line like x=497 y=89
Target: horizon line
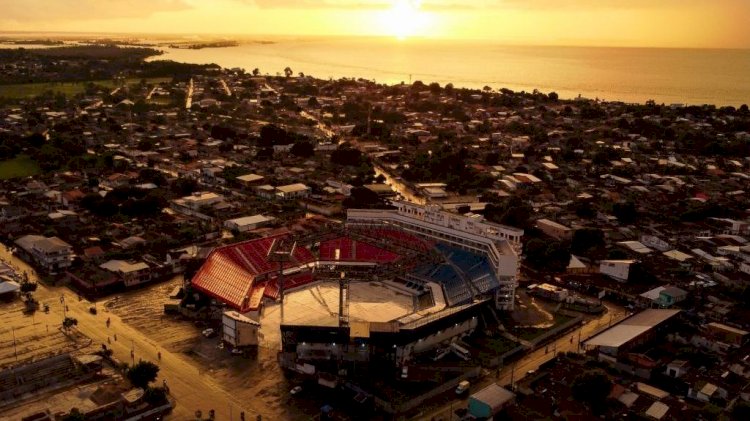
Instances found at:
x=363 y=36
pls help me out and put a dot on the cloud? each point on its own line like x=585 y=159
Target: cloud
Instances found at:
x=57 y=10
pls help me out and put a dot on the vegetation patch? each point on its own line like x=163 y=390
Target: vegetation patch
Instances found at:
x=20 y=166
x=69 y=89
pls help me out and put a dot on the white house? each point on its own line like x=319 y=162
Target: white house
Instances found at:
x=555 y=230
x=655 y=242
x=247 y=223
x=616 y=269
x=292 y=191
x=200 y=199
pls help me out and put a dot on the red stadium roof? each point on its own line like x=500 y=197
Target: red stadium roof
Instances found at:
x=230 y=272
x=241 y=274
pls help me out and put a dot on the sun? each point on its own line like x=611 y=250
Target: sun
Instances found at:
x=404 y=19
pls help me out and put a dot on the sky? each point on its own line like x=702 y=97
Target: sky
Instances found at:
x=630 y=23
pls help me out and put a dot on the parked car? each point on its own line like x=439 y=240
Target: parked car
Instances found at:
x=295 y=390
x=209 y=333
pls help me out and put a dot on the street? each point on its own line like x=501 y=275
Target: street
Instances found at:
x=531 y=361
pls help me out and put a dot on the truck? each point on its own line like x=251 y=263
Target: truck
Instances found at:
x=462 y=387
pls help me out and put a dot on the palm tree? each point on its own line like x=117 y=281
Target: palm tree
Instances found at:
x=288 y=71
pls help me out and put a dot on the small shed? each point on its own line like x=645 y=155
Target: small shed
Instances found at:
x=489 y=401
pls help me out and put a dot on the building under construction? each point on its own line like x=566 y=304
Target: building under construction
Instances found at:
x=384 y=287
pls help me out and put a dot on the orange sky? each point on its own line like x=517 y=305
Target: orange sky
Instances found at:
x=641 y=23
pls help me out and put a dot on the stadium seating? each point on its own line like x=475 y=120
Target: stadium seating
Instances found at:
x=351 y=250
x=456 y=291
x=475 y=267
x=290 y=282
x=399 y=237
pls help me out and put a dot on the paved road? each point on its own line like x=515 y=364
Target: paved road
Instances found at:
x=531 y=361
x=186 y=382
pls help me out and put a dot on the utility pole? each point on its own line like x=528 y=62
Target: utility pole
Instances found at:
x=15 y=351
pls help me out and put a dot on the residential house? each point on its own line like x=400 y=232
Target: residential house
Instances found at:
x=670 y=296
x=677 y=368
x=292 y=191
x=50 y=253
x=130 y=273
x=618 y=270
x=555 y=230
x=247 y=223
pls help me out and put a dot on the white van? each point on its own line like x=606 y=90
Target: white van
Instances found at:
x=460 y=351
x=462 y=387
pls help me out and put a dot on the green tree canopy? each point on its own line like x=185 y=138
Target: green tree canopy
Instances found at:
x=143 y=373
x=586 y=239
x=592 y=388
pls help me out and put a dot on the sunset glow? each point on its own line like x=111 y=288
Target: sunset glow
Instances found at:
x=405 y=19
x=635 y=23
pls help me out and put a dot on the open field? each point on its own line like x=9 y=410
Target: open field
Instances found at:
x=20 y=166
x=28 y=90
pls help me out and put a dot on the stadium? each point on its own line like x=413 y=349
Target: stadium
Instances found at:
x=387 y=283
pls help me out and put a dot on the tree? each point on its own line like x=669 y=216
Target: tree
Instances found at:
x=28 y=287
x=184 y=186
x=492 y=158
x=346 y=155
x=69 y=322
x=256 y=71
x=75 y=414
x=288 y=72
x=435 y=88
x=741 y=410
x=553 y=96
x=586 y=239
x=551 y=256
x=143 y=373
x=313 y=102
x=592 y=388
x=303 y=149
x=155 y=396
x=625 y=212
x=585 y=210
